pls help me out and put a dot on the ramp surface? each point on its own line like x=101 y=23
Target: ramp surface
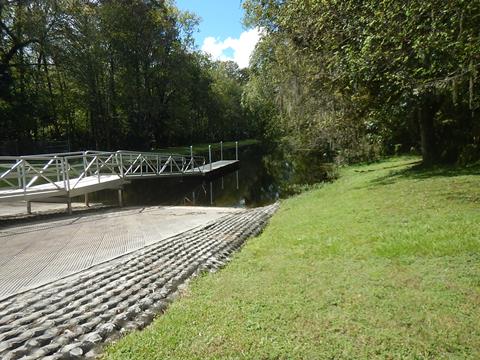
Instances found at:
x=41 y=252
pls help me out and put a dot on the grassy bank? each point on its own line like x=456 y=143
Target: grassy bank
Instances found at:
x=383 y=263
x=203 y=148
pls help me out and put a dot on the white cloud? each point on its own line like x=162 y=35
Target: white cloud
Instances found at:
x=242 y=47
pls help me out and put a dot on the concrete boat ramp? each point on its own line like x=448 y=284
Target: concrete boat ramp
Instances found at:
x=36 y=253
x=69 y=284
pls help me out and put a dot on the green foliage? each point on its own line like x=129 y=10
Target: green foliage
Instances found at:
x=382 y=263
x=371 y=74
x=109 y=74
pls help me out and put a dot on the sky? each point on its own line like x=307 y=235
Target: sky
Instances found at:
x=221 y=33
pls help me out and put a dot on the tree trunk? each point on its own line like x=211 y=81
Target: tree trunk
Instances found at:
x=426 y=116
x=56 y=125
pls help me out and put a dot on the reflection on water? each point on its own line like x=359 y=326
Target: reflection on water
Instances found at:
x=263 y=177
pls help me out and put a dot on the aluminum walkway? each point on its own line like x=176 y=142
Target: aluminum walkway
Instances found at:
x=67 y=175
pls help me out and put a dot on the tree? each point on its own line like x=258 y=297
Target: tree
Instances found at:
x=109 y=74
x=382 y=62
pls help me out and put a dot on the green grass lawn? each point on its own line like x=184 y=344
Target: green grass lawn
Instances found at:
x=203 y=148
x=383 y=263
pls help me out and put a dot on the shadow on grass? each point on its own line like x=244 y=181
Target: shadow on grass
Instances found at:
x=418 y=171
x=390 y=167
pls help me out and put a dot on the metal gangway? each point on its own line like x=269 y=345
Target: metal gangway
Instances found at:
x=62 y=176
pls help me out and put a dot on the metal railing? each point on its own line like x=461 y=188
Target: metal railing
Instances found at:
x=67 y=171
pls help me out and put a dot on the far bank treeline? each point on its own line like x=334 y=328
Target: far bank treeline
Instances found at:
x=360 y=79
x=112 y=74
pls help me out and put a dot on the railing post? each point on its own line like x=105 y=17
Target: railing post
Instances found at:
x=191 y=156
x=210 y=156
x=221 y=150
x=236 y=150
x=62 y=169
x=24 y=177
x=121 y=165
x=98 y=168
x=67 y=175
x=19 y=173
x=56 y=168
x=157 y=170
x=84 y=164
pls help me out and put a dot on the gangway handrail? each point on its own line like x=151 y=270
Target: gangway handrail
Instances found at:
x=27 y=157
x=19 y=162
x=80 y=172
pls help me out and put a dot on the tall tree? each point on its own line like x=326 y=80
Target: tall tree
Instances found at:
x=109 y=74
x=382 y=62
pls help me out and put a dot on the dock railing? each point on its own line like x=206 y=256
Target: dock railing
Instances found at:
x=65 y=171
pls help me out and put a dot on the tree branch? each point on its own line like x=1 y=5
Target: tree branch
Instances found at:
x=11 y=53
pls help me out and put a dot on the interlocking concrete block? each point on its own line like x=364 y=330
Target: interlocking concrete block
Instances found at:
x=16 y=353
x=75 y=353
x=70 y=319
x=42 y=340
x=53 y=357
x=92 y=324
x=93 y=338
x=72 y=351
x=106 y=329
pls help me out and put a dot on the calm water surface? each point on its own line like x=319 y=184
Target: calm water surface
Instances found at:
x=263 y=177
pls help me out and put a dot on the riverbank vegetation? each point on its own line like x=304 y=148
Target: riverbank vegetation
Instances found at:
x=363 y=79
x=382 y=263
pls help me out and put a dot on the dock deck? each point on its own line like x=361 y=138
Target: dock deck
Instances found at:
x=214 y=167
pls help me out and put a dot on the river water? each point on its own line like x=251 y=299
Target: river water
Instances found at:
x=263 y=177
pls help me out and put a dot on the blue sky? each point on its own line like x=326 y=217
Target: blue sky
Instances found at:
x=221 y=33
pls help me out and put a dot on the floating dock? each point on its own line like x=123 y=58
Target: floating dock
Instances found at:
x=215 y=168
